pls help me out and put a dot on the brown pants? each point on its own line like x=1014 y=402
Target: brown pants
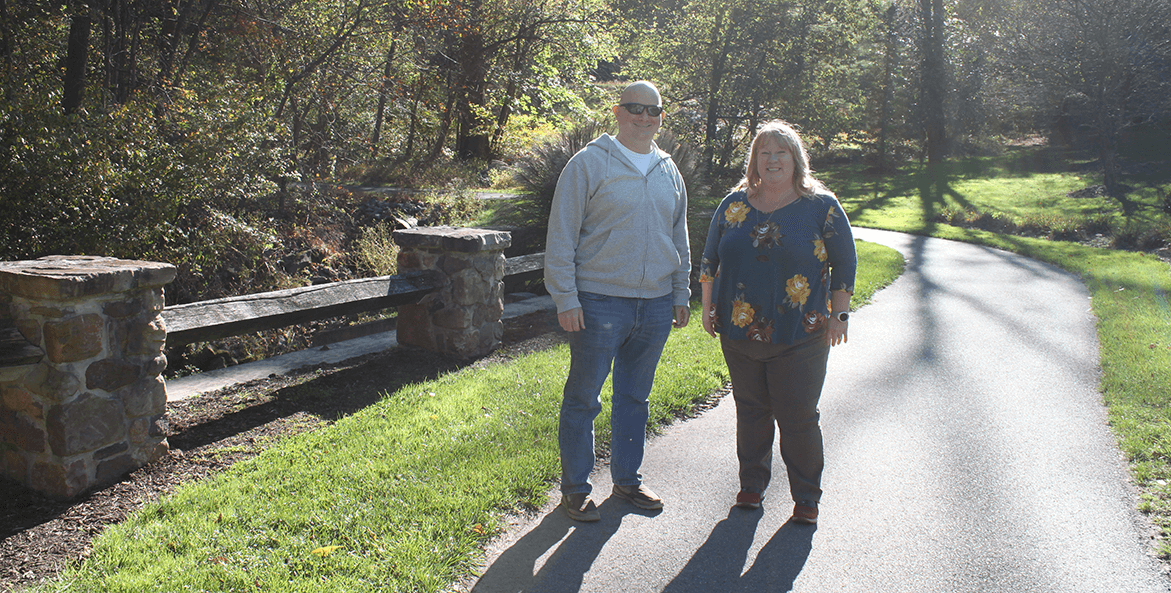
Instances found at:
x=778 y=383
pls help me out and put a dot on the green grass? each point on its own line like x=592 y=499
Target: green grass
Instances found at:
x=1024 y=186
x=399 y=496
x=1129 y=290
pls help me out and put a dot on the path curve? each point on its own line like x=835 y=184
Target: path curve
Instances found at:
x=966 y=448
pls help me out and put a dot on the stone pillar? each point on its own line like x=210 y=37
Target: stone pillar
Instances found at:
x=94 y=408
x=462 y=319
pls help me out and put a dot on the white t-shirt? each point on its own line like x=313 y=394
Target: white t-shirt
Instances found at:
x=642 y=161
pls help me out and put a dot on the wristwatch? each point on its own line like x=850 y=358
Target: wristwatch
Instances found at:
x=843 y=316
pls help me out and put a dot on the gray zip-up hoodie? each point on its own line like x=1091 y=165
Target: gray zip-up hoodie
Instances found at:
x=616 y=232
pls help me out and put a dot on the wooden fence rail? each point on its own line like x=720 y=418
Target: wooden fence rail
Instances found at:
x=216 y=319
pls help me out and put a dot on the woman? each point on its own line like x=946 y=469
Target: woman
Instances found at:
x=777 y=275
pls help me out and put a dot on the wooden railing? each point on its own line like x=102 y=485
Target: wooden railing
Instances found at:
x=216 y=319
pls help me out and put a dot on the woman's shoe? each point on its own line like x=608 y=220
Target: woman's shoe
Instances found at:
x=749 y=500
x=804 y=513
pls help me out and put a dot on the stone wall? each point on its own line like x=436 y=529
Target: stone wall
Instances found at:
x=94 y=408
x=462 y=319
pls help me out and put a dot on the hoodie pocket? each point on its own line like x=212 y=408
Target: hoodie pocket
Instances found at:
x=635 y=258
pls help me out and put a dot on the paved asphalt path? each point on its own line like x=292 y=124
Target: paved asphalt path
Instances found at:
x=966 y=450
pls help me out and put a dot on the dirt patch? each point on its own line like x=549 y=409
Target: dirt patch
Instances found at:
x=39 y=537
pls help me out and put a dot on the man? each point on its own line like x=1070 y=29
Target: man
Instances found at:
x=617 y=265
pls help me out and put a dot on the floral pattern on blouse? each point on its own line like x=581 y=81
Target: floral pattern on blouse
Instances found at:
x=797 y=291
x=736 y=213
x=766 y=235
x=755 y=271
x=742 y=312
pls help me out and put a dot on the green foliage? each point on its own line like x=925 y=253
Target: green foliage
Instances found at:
x=120 y=183
x=725 y=69
x=456 y=207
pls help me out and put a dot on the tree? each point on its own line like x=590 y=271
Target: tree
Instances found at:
x=495 y=43
x=1105 y=64
x=733 y=63
x=933 y=78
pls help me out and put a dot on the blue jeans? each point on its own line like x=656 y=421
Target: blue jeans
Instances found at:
x=628 y=333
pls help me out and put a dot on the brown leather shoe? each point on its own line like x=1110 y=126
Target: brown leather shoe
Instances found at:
x=641 y=496
x=804 y=514
x=579 y=507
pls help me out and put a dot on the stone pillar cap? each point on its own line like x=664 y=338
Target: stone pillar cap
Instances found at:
x=457 y=239
x=66 y=277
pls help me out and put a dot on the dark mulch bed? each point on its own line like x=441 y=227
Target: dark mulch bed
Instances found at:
x=39 y=537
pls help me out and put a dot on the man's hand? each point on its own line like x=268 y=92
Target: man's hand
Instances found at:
x=682 y=316
x=571 y=320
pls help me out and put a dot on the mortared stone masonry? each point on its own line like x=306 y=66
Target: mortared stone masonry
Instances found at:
x=94 y=407
x=462 y=319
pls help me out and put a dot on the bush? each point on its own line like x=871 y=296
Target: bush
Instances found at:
x=1135 y=238
x=538 y=173
x=377 y=251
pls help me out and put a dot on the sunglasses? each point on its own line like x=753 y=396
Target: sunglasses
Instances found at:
x=638 y=108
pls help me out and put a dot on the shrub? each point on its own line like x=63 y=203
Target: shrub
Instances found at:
x=686 y=157
x=538 y=173
x=1135 y=238
x=377 y=251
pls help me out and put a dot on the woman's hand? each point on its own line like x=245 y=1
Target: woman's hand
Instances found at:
x=836 y=332
x=709 y=321
x=707 y=309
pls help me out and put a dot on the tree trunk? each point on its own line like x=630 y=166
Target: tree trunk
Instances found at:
x=76 y=59
x=412 y=130
x=889 y=57
x=444 y=128
x=383 y=94
x=713 y=92
x=934 y=80
x=170 y=28
x=193 y=41
x=505 y=111
x=5 y=34
x=472 y=139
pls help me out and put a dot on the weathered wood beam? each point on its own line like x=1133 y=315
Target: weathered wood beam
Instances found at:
x=232 y=316
x=220 y=318
x=523 y=264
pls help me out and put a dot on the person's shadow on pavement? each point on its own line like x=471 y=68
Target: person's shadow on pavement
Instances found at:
x=564 y=570
x=716 y=565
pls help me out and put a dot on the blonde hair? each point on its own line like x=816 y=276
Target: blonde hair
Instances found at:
x=785 y=134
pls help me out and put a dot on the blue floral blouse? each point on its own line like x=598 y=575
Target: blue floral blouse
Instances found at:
x=773 y=272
